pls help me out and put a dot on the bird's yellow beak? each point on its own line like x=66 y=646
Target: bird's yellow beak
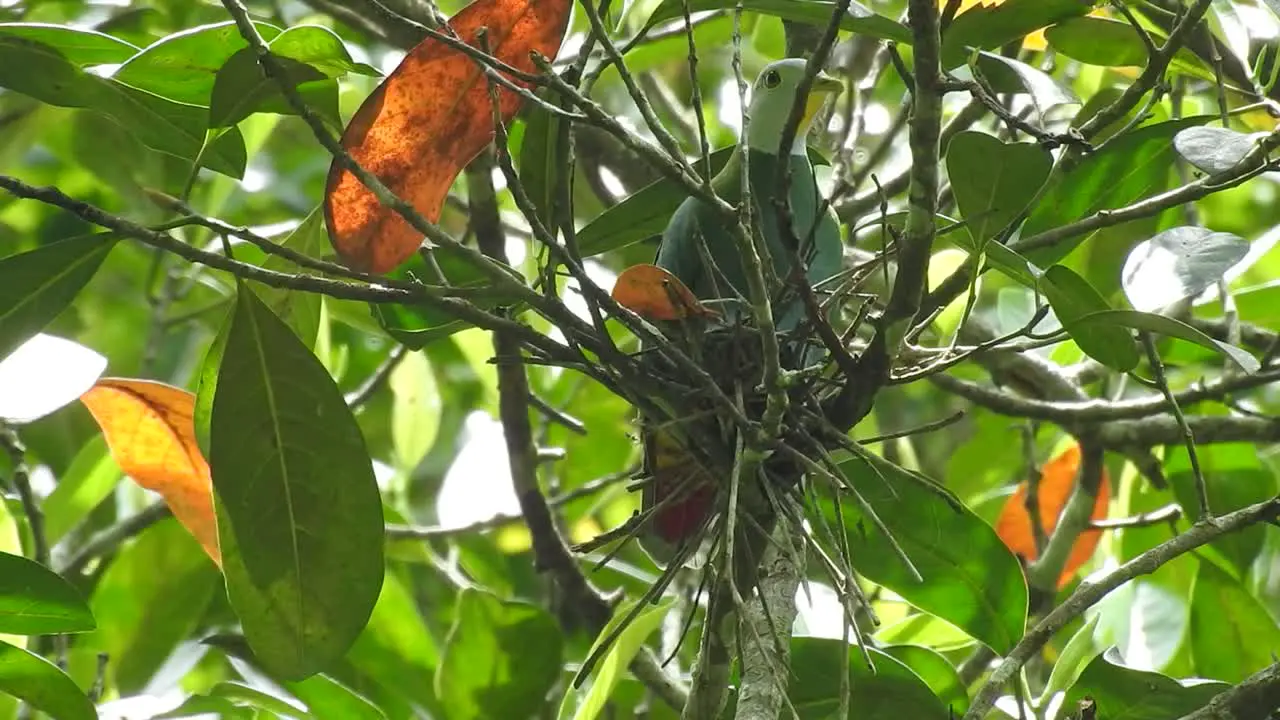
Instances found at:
x=824 y=86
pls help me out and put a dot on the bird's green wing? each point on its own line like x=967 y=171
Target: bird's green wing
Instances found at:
x=678 y=253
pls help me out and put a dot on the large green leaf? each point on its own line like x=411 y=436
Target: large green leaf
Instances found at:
x=970 y=578
x=1125 y=169
x=1073 y=298
x=989 y=26
x=500 y=660
x=937 y=672
x=994 y=181
x=299 y=514
x=40 y=683
x=889 y=692
x=79 y=45
x=1123 y=693
x=1232 y=635
x=37 y=285
x=182 y=66
x=36 y=600
x=588 y=702
x=814 y=12
x=169 y=127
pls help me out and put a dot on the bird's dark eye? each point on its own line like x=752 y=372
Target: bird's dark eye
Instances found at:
x=772 y=79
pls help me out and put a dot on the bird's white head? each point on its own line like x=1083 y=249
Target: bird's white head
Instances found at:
x=772 y=97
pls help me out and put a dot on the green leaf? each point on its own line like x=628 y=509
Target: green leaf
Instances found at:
x=299 y=514
x=79 y=45
x=182 y=66
x=328 y=699
x=1124 y=170
x=890 y=691
x=500 y=660
x=994 y=181
x=1073 y=298
x=1214 y=149
x=1232 y=635
x=924 y=629
x=1111 y=43
x=150 y=599
x=41 y=684
x=1078 y=652
x=987 y=27
x=319 y=47
x=88 y=481
x=1173 y=328
x=415 y=410
x=1123 y=693
x=814 y=12
x=300 y=310
x=173 y=128
x=588 y=702
x=1235 y=477
x=242 y=89
x=255 y=698
x=970 y=579
x=35 y=600
x=205 y=705
x=1179 y=263
x=936 y=671
x=207 y=383
x=1014 y=76
x=396 y=649
x=540 y=155
x=37 y=285
x=416 y=325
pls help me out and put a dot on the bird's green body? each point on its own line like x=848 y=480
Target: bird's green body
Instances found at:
x=819 y=248
x=682 y=493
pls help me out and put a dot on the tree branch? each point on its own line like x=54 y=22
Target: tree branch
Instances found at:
x=1256 y=698
x=1089 y=593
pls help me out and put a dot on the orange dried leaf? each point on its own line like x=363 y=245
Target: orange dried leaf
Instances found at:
x=655 y=294
x=426 y=121
x=1057 y=480
x=150 y=430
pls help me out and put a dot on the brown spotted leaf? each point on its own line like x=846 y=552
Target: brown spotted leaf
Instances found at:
x=426 y=121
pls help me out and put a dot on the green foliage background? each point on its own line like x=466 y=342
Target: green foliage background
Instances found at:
x=463 y=626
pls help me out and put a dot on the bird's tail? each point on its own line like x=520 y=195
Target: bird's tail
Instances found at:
x=679 y=497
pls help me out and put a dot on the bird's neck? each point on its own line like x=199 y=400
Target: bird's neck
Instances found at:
x=765 y=137
x=764 y=172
